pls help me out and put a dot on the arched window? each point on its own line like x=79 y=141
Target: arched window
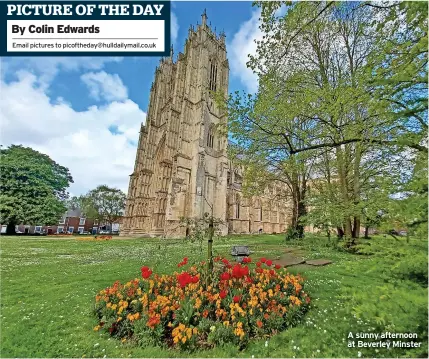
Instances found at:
x=210 y=137
x=212 y=76
x=258 y=209
x=237 y=205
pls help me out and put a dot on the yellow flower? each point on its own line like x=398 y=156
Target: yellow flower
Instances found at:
x=198 y=303
x=184 y=340
x=97 y=328
x=226 y=323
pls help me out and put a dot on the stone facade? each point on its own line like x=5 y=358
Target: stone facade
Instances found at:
x=181 y=167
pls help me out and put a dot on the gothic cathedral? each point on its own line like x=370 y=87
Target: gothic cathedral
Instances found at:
x=181 y=167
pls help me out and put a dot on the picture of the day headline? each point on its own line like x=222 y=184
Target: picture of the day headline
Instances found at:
x=82 y=28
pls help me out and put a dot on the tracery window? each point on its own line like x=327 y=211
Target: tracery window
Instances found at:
x=210 y=137
x=213 y=76
x=237 y=206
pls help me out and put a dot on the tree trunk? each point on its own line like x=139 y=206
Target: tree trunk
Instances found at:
x=340 y=233
x=366 y=232
x=356 y=228
x=299 y=210
x=10 y=229
x=344 y=191
x=210 y=247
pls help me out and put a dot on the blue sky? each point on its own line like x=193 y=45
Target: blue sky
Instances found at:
x=85 y=112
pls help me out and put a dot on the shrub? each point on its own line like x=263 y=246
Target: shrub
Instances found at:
x=187 y=310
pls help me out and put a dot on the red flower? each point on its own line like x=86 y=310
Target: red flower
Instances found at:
x=277 y=266
x=222 y=294
x=307 y=300
x=224 y=276
x=225 y=261
x=244 y=271
x=259 y=270
x=247 y=260
x=183 y=262
x=269 y=262
x=249 y=280
x=236 y=299
x=184 y=279
x=238 y=271
x=146 y=272
x=195 y=279
x=272 y=272
x=258 y=264
x=263 y=260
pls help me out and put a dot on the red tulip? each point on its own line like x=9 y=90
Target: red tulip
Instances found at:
x=224 y=276
x=222 y=294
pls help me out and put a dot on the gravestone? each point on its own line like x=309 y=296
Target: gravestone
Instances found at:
x=239 y=252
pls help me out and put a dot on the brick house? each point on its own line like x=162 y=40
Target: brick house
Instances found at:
x=73 y=221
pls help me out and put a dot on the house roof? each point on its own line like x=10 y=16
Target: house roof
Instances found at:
x=73 y=213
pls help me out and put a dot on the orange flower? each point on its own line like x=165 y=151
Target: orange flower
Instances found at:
x=259 y=324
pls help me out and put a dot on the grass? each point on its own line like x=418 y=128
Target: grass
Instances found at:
x=48 y=288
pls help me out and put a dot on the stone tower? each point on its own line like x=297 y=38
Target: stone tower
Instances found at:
x=181 y=164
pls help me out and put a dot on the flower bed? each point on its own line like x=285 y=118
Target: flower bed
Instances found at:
x=181 y=310
x=96 y=238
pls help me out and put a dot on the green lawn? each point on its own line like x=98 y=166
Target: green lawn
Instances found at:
x=48 y=288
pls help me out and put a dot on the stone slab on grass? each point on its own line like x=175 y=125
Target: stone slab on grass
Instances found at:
x=290 y=261
x=319 y=262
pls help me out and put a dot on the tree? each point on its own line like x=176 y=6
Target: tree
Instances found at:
x=32 y=188
x=328 y=104
x=84 y=204
x=107 y=203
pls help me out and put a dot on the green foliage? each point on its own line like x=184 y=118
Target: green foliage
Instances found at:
x=342 y=126
x=32 y=187
x=85 y=204
x=197 y=229
x=105 y=203
x=221 y=335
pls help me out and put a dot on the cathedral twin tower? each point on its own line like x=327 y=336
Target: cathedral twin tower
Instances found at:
x=181 y=167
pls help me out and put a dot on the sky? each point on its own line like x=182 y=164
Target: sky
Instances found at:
x=86 y=112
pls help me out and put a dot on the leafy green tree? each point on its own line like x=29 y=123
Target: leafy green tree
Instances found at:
x=105 y=203
x=84 y=204
x=325 y=105
x=32 y=188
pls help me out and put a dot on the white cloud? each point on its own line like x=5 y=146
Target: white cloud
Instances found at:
x=241 y=45
x=80 y=141
x=105 y=86
x=174 y=27
x=46 y=68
